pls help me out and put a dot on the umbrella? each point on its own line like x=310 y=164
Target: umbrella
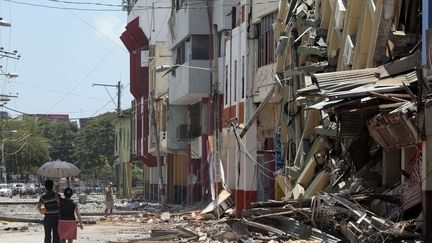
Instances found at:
x=58 y=169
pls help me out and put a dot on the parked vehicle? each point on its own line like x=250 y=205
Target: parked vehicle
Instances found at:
x=17 y=188
x=5 y=190
x=30 y=189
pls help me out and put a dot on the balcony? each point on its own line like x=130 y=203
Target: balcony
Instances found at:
x=188 y=85
x=184 y=21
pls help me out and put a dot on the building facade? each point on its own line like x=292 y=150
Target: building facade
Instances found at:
x=122 y=154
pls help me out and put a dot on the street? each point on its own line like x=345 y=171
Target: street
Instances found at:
x=113 y=227
x=130 y=222
x=101 y=232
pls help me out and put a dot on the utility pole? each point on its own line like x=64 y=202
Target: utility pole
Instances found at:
x=158 y=157
x=4 y=174
x=118 y=86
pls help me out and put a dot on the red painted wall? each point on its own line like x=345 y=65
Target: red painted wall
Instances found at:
x=134 y=39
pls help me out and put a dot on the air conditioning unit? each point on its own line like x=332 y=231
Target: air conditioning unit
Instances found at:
x=348 y=54
x=196 y=147
x=340 y=13
x=182 y=131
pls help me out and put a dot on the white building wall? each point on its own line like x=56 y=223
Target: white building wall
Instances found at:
x=153 y=21
x=221 y=11
x=263 y=7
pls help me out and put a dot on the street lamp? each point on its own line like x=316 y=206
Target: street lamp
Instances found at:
x=10 y=75
x=4 y=23
x=3 y=165
x=169 y=68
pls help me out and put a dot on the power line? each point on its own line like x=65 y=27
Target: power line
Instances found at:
x=57 y=91
x=63 y=8
x=16 y=110
x=94 y=28
x=118 y=7
x=82 y=80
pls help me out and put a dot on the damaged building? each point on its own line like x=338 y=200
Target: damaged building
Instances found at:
x=296 y=101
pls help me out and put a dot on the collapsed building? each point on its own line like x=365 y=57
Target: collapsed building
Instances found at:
x=354 y=103
x=293 y=99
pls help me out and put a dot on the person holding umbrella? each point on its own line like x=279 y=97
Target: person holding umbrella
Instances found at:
x=51 y=202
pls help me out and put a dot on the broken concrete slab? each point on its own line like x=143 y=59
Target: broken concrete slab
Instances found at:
x=218 y=206
x=320 y=182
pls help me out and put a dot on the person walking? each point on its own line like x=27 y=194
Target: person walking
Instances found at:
x=50 y=201
x=67 y=226
x=109 y=199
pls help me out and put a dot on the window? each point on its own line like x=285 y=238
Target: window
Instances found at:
x=226 y=85
x=181 y=53
x=235 y=81
x=266 y=42
x=243 y=78
x=195 y=118
x=200 y=47
x=233 y=17
x=177 y=4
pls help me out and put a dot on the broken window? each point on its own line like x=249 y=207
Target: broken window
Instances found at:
x=266 y=41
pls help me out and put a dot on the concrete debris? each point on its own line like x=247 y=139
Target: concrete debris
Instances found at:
x=219 y=206
x=165 y=216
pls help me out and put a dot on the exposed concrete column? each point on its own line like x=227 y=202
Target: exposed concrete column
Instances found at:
x=391 y=167
x=407 y=154
x=246 y=190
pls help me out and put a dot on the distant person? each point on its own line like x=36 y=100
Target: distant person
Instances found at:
x=67 y=226
x=109 y=199
x=51 y=202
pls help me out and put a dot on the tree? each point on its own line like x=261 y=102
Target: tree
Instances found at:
x=26 y=149
x=61 y=137
x=94 y=147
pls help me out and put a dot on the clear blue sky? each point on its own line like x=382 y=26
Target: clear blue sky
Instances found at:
x=64 y=51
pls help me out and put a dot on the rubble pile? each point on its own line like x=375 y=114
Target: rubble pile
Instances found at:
x=327 y=218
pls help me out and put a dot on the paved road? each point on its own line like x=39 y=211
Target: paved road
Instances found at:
x=91 y=233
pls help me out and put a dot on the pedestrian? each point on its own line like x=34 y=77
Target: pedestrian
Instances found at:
x=109 y=199
x=67 y=226
x=50 y=200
